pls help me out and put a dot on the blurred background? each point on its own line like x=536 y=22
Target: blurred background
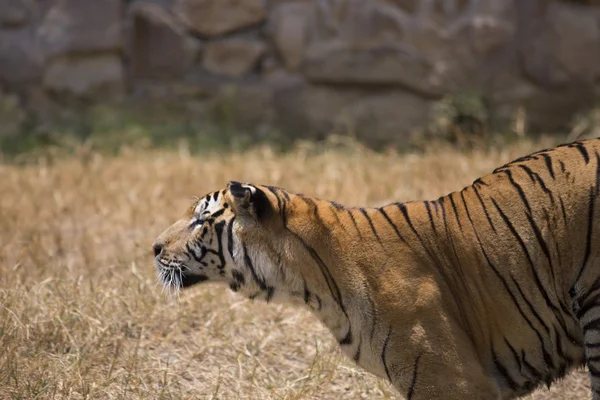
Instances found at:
x=238 y=72
x=115 y=113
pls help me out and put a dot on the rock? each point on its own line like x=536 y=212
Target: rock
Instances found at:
x=245 y=106
x=492 y=27
x=545 y=110
x=343 y=62
x=290 y=31
x=313 y=112
x=21 y=58
x=158 y=47
x=429 y=47
x=559 y=42
x=85 y=76
x=384 y=118
x=12 y=114
x=82 y=26
x=217 y=17
x=233 y=57
x=16 y=13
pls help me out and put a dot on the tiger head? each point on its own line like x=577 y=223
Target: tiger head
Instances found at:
x=222 y=238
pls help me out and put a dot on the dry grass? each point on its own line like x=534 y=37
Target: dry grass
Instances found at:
x=81 y=315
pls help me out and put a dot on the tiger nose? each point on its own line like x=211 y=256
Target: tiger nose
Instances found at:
x=157 y=247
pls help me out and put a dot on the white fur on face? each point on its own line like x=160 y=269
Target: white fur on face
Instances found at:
x=206 y=207
x=252 y=188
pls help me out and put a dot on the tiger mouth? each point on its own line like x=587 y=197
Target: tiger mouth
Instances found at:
x=176 y=276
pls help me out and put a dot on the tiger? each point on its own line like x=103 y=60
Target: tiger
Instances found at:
x=485 y=293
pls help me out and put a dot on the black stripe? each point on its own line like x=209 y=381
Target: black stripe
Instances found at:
x=515 y=354
x=385 y=344
x=535 y=177
x=505 y=283
x=589 y=304
x=248 y=261
x=448 y=235
x=589 y=359
x=284 y=212
x=192 y=252
x=334 y=211
x=581 y=147
x=217 y=213
x=593 y=287
x=404 y=210
x=531 y=308
x=537 y=279
x=270 y=292
x=590 y=227
x=503 y=370
x=594 y=371
x=478 y=181
x=346 y=340
x=455 y=210
x=436 y=206
x=387 y=218
x=547 y=356
x=238 y=277
x=487 y=215
x=336 y=205
x=374 y=317
x=230 y=237
x=563 y=358
x=528 y=171
x=354 y=222
x=413 y=382
x=428 y=207
x=548 y=160
x=543 y=244
x=215 y=196
x=519 y=189
x=311 y=203
x=306 y=292
x=357 y=353
x=588 y=239
x=537 y=375
x=254 y=295
x=364 y=212
x=563 y=211
x=274 y=191
x=331 y=284
x=592 y=325
x=562 y=166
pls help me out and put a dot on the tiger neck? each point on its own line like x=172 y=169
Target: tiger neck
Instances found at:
x=329 y=284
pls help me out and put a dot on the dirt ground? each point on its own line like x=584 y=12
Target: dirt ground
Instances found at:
x=82 y=316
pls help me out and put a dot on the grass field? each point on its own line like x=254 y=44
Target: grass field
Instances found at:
x=81 y=314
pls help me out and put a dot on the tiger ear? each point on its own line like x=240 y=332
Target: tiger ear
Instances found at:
x=249 y=201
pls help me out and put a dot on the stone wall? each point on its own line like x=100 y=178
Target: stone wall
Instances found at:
x=306 y=67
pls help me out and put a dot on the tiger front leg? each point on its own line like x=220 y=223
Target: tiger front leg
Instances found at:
x=590 y=322
x=431 y=378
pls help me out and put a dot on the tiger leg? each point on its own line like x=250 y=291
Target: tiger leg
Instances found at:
x=589 y=315
x=450 y=368
x=429 y=378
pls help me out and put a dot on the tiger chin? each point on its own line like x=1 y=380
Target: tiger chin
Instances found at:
x=485 y=293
